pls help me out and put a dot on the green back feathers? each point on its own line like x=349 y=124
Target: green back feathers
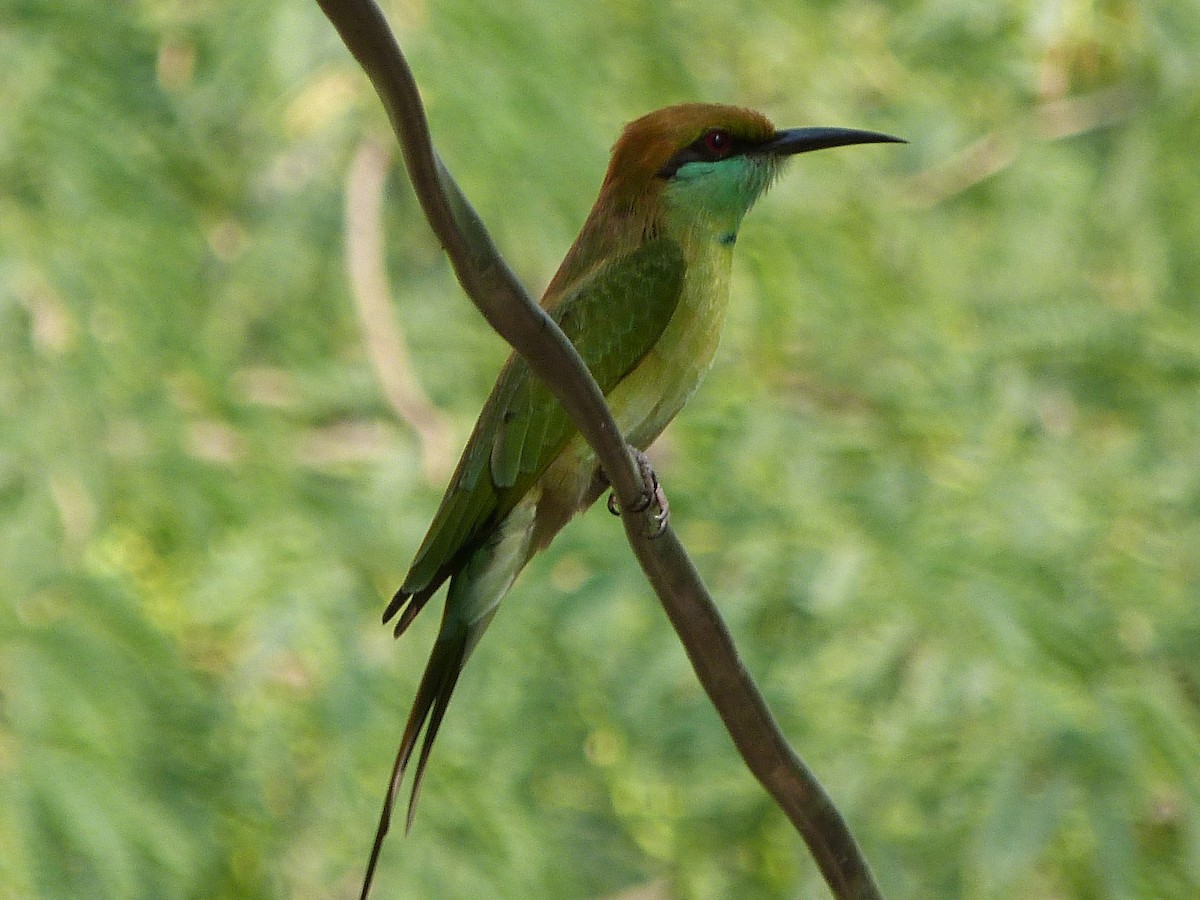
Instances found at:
x=613 y=317
x=614 y=294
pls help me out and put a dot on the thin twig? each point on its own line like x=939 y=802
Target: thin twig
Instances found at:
x=491 y=285
x=1054 y=120
x=383 y=337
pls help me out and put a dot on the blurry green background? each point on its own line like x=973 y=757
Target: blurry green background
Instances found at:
x=944 y=478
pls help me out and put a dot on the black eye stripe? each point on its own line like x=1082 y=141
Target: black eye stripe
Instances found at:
x=702 y=150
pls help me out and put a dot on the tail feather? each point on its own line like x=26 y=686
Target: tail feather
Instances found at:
x=433 y=696
x=412 y=604
x=478 y=583
x=441 y=701
x=393 y=607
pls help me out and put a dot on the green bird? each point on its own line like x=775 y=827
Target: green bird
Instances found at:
x=642 y=294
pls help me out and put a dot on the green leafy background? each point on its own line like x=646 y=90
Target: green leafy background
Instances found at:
x=944 y=477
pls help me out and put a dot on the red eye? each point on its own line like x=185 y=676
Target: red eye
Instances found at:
x=717 y=143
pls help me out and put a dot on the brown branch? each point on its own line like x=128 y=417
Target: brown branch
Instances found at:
x=382 y=336
x=491 y=285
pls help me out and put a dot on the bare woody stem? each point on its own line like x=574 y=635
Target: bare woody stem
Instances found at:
x=493 y=288
x=383 y=338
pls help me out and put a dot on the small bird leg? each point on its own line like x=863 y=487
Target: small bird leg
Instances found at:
x=653 y=496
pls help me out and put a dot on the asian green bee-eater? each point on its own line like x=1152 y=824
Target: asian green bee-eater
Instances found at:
x=642 y=294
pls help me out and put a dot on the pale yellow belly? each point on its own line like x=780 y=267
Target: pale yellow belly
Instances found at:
x=645 y=401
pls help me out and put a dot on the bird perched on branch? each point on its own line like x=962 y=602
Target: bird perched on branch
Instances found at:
x=642 y=294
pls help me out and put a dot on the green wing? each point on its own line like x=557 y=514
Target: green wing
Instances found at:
x=613 y=318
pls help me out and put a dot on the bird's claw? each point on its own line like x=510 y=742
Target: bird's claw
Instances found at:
x=654 y=496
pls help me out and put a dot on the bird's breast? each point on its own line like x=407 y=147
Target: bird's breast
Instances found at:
x=646 y=400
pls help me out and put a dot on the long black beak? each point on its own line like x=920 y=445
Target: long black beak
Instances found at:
x=803 y=140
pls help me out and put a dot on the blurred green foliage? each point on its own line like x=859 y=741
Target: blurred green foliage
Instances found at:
x=944 y=477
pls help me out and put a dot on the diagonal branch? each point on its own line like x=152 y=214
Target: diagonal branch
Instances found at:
x=494 y=289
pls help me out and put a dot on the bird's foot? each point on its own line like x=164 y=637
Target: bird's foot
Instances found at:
x=653 y=495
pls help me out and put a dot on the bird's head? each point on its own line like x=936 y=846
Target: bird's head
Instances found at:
x=693 y=170
x=710 y=162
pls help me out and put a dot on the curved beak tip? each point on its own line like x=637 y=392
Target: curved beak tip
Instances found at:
x=804 y=140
